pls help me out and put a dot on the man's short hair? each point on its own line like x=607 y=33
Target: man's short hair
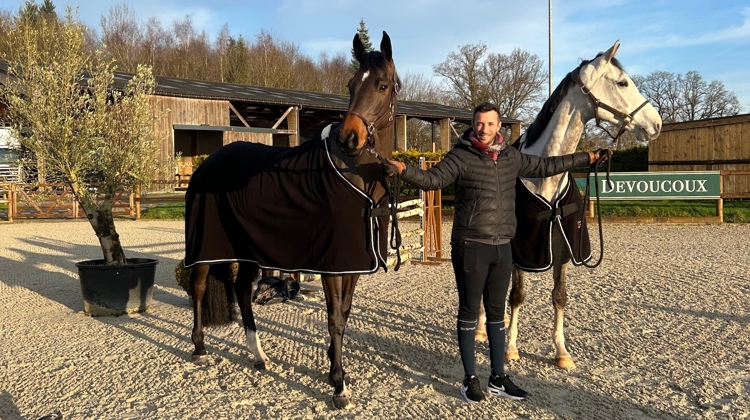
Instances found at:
x=486 y=107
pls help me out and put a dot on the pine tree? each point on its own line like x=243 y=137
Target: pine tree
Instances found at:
x=365 y=38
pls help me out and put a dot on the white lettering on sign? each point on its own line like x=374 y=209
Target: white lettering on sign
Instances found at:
x=655 y=186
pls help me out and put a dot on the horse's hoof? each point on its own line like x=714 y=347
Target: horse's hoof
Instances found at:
x=481 y=336
x=565 y=362
x=343 y=401
x=261 y=364
x=512 y=355
x=201 y=359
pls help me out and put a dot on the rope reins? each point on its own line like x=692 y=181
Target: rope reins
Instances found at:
x=595 y=168
x=393 y=192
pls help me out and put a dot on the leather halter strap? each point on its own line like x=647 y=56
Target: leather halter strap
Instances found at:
x=627 y=118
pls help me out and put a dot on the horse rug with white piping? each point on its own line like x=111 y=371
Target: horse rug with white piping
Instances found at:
x=535 y=216
x=285 y=208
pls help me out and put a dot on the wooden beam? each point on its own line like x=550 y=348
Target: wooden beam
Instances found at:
x=282 y=117
x=237 y=113
x=445 y=134
x=293 y=125
x=401 y=133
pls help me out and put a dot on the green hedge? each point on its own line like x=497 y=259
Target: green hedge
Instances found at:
x=634 y=159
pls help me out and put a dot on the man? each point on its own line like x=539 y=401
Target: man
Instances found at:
x=485 y=171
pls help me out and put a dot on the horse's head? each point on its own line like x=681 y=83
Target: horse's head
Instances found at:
x=613 y=97
x=372 y=100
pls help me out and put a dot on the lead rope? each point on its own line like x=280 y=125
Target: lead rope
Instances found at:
x=393 y=192
x=595 y=167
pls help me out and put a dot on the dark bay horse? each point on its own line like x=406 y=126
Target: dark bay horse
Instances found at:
x=599 y=90
x=321 y=207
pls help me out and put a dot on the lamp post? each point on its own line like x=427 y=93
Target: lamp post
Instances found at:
x=549 y=2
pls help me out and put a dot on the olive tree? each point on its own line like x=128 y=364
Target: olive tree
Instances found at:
x=81 y=130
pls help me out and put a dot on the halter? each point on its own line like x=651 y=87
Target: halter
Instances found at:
x=395 y=190
x=371 y=126
x=627 y=118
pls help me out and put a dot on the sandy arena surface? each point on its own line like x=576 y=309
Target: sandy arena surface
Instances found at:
x=660 y=330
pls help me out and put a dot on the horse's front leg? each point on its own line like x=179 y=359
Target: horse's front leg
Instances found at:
x=198 y=287
x=560 y=298
x=515 y=299
x=339 y=291
x=243 y=287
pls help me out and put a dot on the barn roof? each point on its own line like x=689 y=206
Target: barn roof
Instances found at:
x=254 y=102
x=199 y=89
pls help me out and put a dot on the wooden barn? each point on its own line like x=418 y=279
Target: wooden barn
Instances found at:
x=717 y=144
x=201 y=116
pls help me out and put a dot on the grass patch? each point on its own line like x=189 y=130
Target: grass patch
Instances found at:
x=164 y=211
x=735 y=211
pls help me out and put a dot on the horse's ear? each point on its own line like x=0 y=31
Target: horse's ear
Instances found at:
x=359 y=48
x=590 y=72
x=610 y=53
x=385 y=47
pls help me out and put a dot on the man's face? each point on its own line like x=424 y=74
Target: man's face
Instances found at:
x=486 y=125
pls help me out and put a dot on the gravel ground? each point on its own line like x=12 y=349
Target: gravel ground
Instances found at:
x=660 y=330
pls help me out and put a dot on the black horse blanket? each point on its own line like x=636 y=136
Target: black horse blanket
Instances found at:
x=285 y=208
x=532 y=245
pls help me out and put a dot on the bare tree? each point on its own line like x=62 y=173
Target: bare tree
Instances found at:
x=334 y=73
x=513 y=82
x=271 y=61
x=687 y=97
x=420 y=88
x=121 y=33
x=517 y=83
x=464 y=76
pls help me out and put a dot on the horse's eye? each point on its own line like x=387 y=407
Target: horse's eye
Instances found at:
x=623 y=83
x=383 y=87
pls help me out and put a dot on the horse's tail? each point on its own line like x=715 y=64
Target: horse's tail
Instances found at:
x=219 y=299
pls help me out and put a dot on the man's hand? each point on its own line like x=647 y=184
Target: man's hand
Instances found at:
x=393 y=167
x=603 y=154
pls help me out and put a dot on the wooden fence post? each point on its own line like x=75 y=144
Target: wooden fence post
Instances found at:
x=131 y=203
x=137 y=202
x=720 y=201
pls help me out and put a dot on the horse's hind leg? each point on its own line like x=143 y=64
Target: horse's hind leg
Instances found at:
x=481 y=334
x=515 y=299
x=243 y=287
x=198 y=282
x=339 y=292
x=560 y=298
x=563 y=359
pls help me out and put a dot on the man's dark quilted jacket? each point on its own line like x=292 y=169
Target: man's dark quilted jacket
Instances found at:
x=485 y=190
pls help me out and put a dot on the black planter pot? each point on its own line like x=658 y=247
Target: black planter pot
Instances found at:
x=114 y=290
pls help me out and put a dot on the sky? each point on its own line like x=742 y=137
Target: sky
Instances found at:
x=710 y=37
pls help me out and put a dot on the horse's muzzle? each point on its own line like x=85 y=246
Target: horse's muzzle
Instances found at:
x=349 y=143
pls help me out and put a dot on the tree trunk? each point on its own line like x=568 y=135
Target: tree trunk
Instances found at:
x=101 y=219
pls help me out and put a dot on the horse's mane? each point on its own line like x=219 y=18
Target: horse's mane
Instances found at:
x=550 y=105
